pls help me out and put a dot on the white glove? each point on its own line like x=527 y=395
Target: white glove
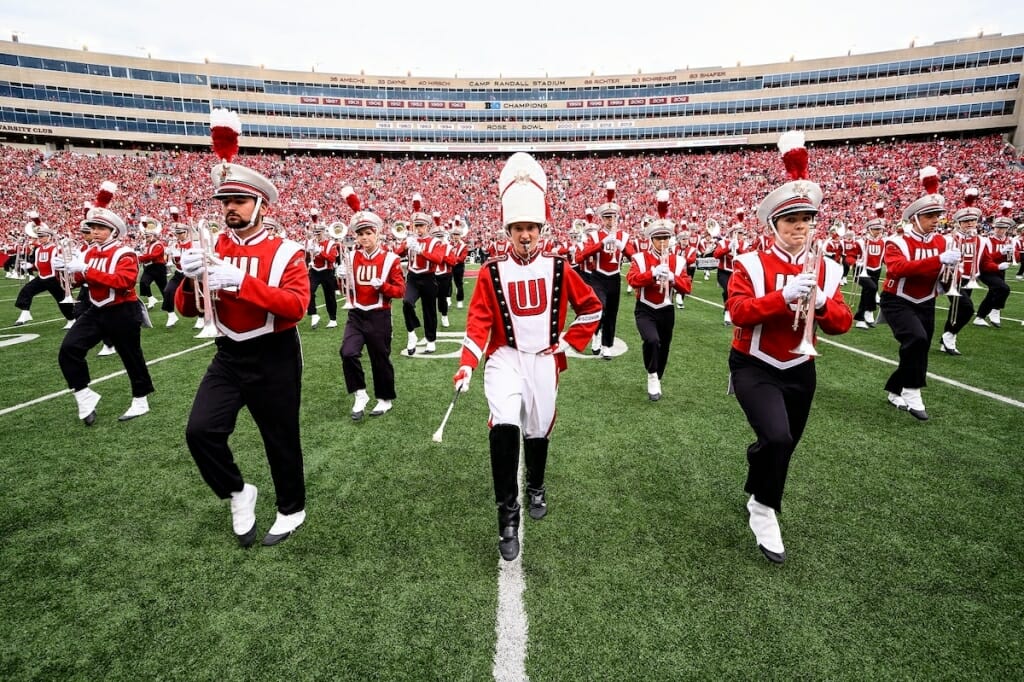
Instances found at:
x=376 y=282
x=76 y=266
x=317 y=250
x=819 y=298
x=58 y=263
x=340 y=271
x=560 y=347
x=1004 y=266
x=26 y=266
x=412 y=243
x=661 y=272
x=798 y=287
x=223 y=275
x=610 y=240
x=462 y=378
x=193 y=262
x=950 y=257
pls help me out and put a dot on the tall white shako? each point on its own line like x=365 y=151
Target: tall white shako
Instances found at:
x=232 y=179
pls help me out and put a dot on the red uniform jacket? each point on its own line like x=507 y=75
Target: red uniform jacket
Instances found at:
x=154 y=254
x=650 y=292
x=912 y=265
x=379 y=264
x=327 y=257
x=113 y=269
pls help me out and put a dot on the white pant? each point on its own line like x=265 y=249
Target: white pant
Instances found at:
x=521 y=390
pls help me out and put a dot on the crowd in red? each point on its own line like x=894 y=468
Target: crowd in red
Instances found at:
x=703 y=184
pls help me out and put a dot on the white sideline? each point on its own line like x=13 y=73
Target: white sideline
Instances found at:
x=66 y=391
x=946 y=380
x=511 y=625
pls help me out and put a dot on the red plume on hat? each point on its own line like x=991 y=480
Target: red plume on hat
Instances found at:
x=1006 y=209
x=436 y=215
x=86 y=207
x=740 y=212
x=417 y=202
x=225 y=127
x=314 y=213
x=880 y=209
x=106 y=193
x=662 y=202
x=930 y=179
x=970 y=196
x=609 y=190
x=35 y=217
x=351 y=198
x=794 y=154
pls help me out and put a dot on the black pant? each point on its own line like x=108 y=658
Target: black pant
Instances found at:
x=421 y=286
x=38 y=285
x=609 y=290
x=153 y=273
x=167 y=305
x=444 y=290
x=913 y=325
x=370 y=328
x=998 y=292
x=458 y=274
x=964 y=307
x=723 y=282
x=777 y=403
x=655 y=326
x=868 y=290
x=263 y=374
x=326 y=280
x=119 y=324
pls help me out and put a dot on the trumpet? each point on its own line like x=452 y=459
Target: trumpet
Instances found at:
x=205 y=298
x=67 y=247
x=804 y=313
x=949 y=274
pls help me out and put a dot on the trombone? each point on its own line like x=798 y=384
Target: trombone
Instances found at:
x=338 y=231
x=205 y=298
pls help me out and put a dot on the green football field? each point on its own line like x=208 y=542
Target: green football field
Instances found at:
x=904 y=538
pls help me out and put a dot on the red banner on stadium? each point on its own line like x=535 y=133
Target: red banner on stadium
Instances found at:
x=396 y=103
x=435 y=105
x=659 y=100
x=680 y=98
x=456 y=105
x=353 y=102
x=374 y=102
x=637 y=101
x=595 y=102
x=332 y=100
x=574 y=104
x=416 y=105
x=616 y=102
x=310 y=100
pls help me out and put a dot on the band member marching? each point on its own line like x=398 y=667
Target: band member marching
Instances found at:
x=46 y=278
x=913 y=263
x=377 y=278
x=515 y=322
x=727 y=248
x=869 y=268
x=655 y=274
x=424 y=253
x=323 y=257
x=777 y=298
x=256 y=288
x=154 y=261
x=110 y=270
x=998 y=249
x=183 y=242
x=457 y=255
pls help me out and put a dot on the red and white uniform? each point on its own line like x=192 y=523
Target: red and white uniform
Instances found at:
x=851 y=251
x=457 y=253
x=274 y=292
x=648 y=290
x=179 y=249
x=975 y=258
x=912 y=265
x=154 y=253
x=640 y=243
x=380 y=264
x=724 y=252
x=498 y=248
x=518 y=310
x=113 y=269
x=834 y=249
x=327 y=257
x=608 y=260
x=44 y=258
x=996 y=249
x=764 y=321
x=872 y=250
x=426 y=259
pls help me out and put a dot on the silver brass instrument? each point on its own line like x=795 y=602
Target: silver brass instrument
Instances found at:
x=713 y=228
x=338 y=231
x=949 y=276
x=67 y=248
x=204 y=297
x=805 y=306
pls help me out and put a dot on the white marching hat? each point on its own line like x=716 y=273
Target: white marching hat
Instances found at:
x=932 y=202
x=662 y=227
x=522 y=187
x=100 y=216
x=233 y=180
x=797 y=196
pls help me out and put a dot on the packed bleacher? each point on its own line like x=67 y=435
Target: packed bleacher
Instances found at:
x=704 y=184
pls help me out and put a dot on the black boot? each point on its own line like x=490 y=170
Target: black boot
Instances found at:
x=504 y=469
x=536 y=452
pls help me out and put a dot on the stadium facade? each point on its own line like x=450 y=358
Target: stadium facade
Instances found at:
x=71 y=99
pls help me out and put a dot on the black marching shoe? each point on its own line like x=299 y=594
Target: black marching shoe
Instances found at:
x=538 y=503
x=508 y=531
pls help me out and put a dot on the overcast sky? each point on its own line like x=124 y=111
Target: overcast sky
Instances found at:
x=526 y=38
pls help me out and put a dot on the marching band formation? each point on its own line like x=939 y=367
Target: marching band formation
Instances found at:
x=249 y=287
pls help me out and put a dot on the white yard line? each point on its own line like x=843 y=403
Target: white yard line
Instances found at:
x=887 y=361
x=66 y=391
x=511 y=625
